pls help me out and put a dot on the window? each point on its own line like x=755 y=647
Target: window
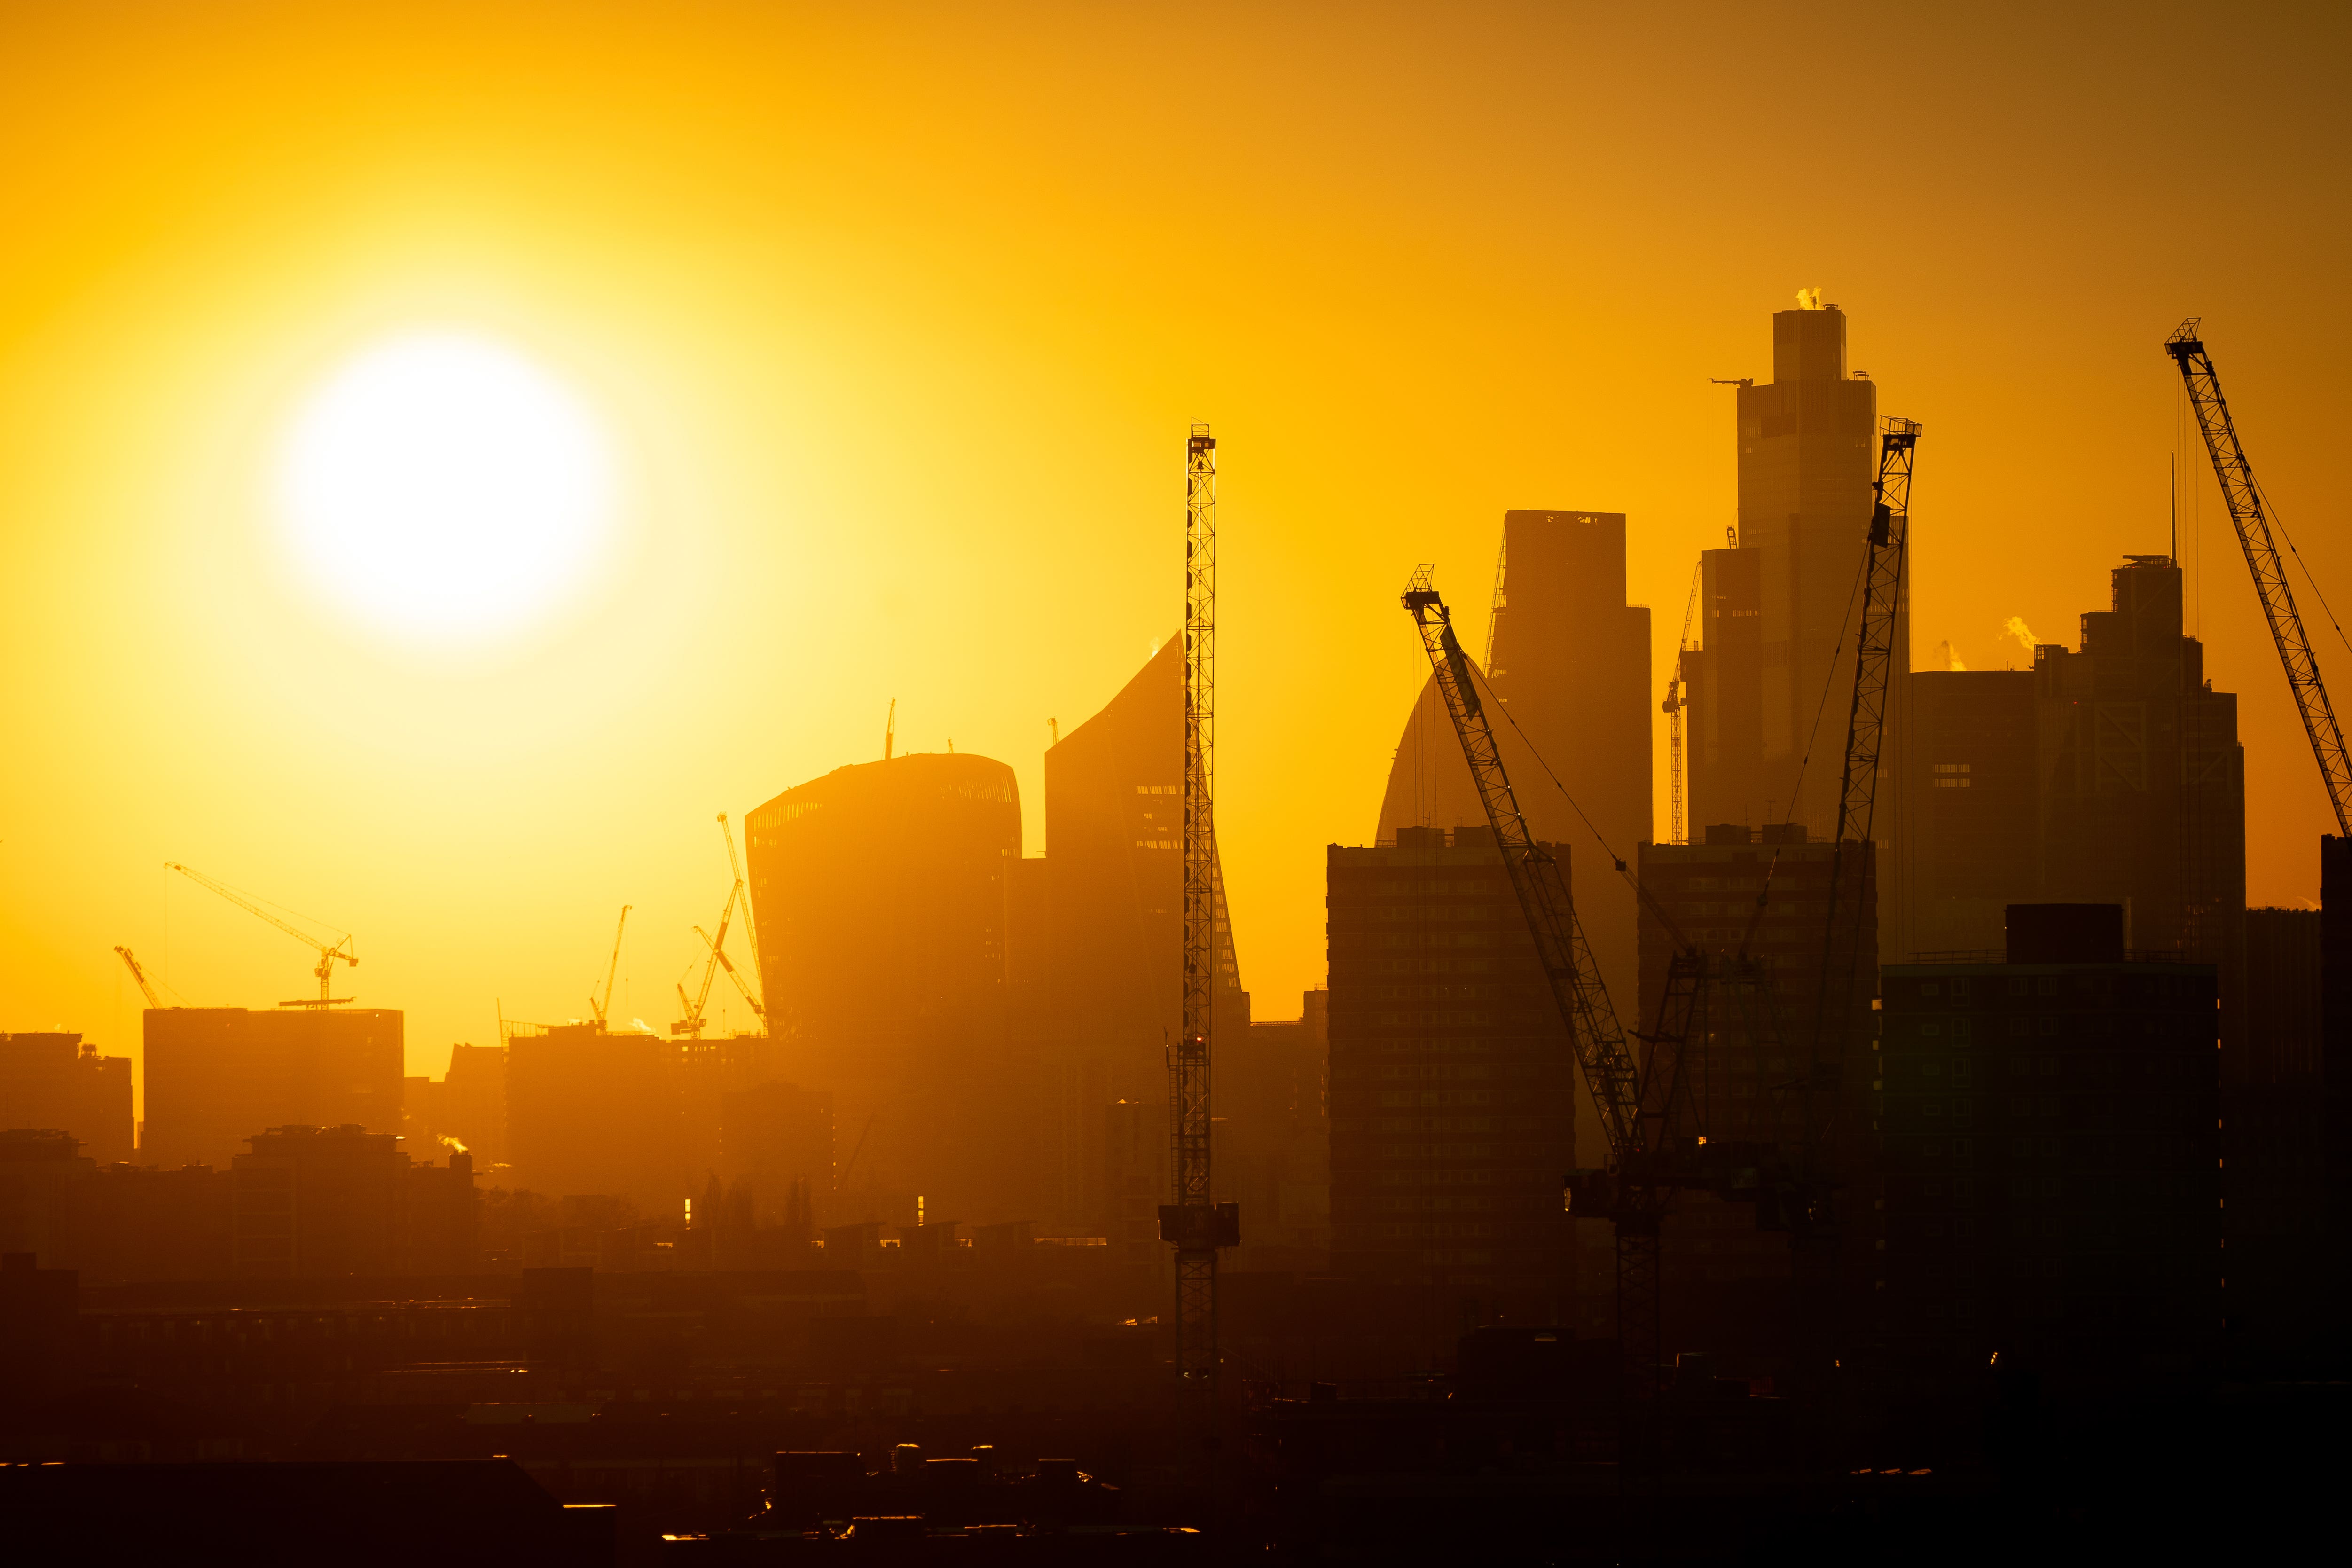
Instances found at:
x=1950 y=775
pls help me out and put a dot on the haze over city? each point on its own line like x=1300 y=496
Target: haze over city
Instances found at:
x=469 y=474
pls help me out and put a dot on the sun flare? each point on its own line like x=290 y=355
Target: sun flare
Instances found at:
x=445 y=490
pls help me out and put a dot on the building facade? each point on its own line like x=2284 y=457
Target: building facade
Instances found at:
x=1777 y=600
x=1451 y=1079
x=217 y=1075
x=55 y=1080
x=2048 y=1186
x=882 y=892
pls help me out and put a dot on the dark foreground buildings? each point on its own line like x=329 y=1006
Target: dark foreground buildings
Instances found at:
x=2050 y=1186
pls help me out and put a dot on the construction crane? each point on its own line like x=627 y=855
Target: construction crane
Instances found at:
x=694 y=1023
x=1195 y=1221
x=596 y=1005
x=2248 y=515
x=1678 y=699
x=327 y=951
x=1644 y=1109
x=751 y=930
x=1886 y=548
x=146 y=988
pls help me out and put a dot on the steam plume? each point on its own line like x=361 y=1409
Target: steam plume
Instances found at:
x=2015 y=627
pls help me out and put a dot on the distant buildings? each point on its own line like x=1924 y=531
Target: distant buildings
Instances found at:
x=2050 y=1186
x=304 y=1203
x=54 y=1080
x=1451 y=1079
x=320 y=1202
x=215 y=1076
x=595 y=1112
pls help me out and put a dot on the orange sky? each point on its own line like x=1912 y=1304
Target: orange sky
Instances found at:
x=901 y=311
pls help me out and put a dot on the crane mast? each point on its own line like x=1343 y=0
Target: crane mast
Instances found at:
x=327 y=951
x=1195 y=1221
x=2245 y=499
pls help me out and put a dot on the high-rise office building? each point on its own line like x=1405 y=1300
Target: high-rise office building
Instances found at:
x=1571 y=659
x=1808 y=456
x=217 y=1075
x=55 y=1081
x=1974 y=846
x=882 y=892
x=2048 y=1186
x=1452 y=1078
x=2143 y=781
x=1112 y=945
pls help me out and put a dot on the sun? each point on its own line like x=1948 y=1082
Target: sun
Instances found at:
x=444 y=489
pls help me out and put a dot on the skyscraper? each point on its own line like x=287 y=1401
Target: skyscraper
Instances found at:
x=1571 y=659
x=1115 y=926
x=2143 y=780
x=1807 y=455
x=882 y=892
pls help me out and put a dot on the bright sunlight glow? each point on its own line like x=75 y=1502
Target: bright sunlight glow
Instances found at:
x=446 y=491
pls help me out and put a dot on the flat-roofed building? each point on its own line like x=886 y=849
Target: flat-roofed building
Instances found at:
x=595 y=1113
x=217 y=1075
x=61 y=1081
x=2048 y=1186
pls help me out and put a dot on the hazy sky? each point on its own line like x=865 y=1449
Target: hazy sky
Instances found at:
x=898 y=314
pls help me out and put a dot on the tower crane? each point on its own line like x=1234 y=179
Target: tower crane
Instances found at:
x=1195 y=1221
x=751 y=930
x=146 y=987
x=327 y=951
x=693 y=1024
x=1678 y=699
x=1644 y=1109
x=1866 y=732
x=2247 y=514
x=599 y=1005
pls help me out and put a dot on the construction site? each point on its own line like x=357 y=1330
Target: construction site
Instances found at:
x=1916 y=1130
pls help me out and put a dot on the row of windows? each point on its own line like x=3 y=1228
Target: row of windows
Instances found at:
x=1412 y=1178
